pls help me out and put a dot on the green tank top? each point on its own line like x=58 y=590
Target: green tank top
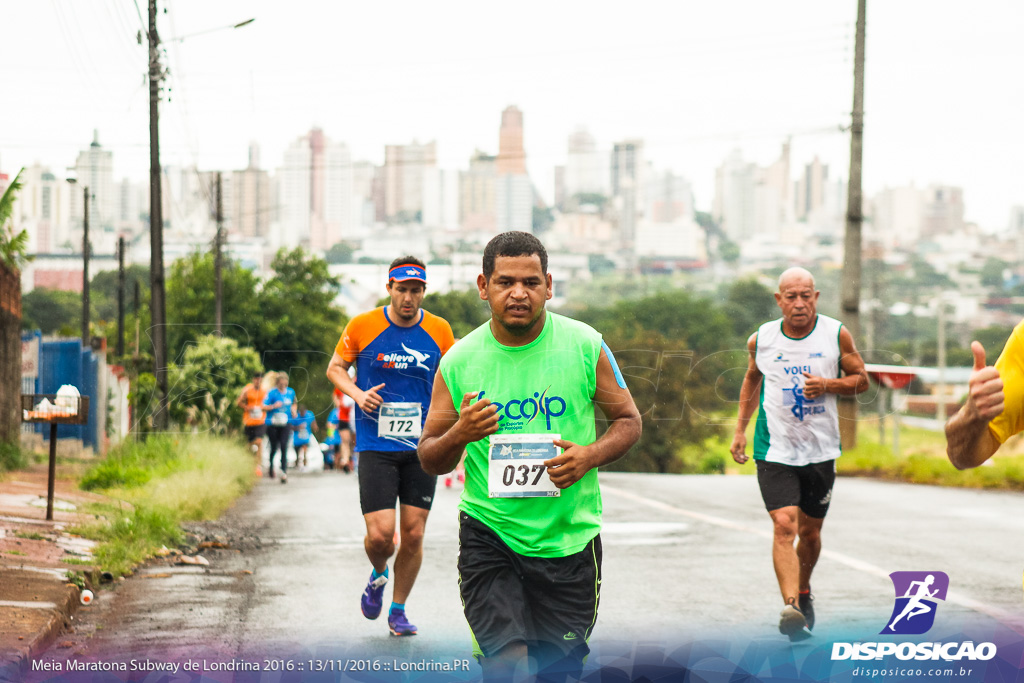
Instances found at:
x=545 y=387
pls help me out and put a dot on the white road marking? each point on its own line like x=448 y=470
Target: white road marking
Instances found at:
x=1009 y=619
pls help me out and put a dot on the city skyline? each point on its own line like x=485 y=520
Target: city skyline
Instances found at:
x=692 y=83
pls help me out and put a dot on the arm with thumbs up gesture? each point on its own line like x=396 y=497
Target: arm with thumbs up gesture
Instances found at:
x=969 y=441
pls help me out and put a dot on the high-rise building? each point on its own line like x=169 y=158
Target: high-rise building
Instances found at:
x=364 y=211
x=513 y=202
x=338 y=189
x=317 y=228
x=315 y=193
x=669 y=197
x=403 y=178
x=477 y=193
x=251 y=209
x=511 y=155
x=943 y=211
x=95 y=169
x=810 y=189
x=295 y=199
x=133 y=204
x=1016 y=225
x=560 y=195
x=896 y=216
x=733 y=206
x=513 y=192
x=629 y=187
x=440 y=199
x=628 y=168
x=41 y=208
x=587 y=170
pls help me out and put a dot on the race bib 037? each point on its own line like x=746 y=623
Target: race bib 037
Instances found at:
x=515 y=467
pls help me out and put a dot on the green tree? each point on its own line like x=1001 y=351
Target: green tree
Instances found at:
x=300 y=320
x=993 y=338
x=190 y=303
x=340 y=253
x=992 y=272
x=53 y=311
x=926 y=276
x=705 y=221
x=542 y=219
x=592 y=198
x=208 y=380
x=13 y=243
x=463 y=310
x=728 y=251
x=103 y=291
x=677 y=353
x=748 y=303
x=301 y=325
x=13 y=254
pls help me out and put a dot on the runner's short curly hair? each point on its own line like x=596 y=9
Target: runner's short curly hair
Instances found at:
x=513 y=243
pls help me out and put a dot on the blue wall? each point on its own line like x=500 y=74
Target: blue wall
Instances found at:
x=64 y=361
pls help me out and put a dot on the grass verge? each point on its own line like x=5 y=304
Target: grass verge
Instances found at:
x=158 y=484
x=922 y=460
x=11 y=456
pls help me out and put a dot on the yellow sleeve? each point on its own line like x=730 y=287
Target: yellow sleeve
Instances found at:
x=1011 y=370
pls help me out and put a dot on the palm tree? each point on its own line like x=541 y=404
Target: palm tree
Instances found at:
x=13 y=247
x=13 y=254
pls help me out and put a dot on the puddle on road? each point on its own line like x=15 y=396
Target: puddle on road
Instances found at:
x=641 y=533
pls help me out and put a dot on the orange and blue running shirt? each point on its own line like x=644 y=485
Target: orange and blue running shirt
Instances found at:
x=254 y=414
x=404 y=359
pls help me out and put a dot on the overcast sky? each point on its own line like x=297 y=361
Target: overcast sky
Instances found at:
x=694 y=79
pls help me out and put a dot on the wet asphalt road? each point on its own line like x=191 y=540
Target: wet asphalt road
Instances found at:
x=685 y=557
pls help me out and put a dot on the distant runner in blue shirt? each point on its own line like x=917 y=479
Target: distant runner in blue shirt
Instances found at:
x=280 y=404
x=332 y=442
x=304 y=424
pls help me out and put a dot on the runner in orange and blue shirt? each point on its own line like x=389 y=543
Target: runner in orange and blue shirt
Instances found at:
x=396 y=350
x=253 y=416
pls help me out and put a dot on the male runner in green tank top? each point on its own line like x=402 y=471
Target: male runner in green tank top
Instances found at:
x=527 y=382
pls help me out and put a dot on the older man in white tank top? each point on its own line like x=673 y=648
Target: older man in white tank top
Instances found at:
x=795 y=372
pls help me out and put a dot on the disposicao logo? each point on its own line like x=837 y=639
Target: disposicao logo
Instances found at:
x=916 y=596
x=916 y=602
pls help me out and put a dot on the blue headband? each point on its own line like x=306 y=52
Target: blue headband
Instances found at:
x=409 y=271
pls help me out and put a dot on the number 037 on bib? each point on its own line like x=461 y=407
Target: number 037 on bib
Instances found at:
x=515 y=466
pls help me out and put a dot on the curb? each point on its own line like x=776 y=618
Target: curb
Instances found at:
x=37 y=616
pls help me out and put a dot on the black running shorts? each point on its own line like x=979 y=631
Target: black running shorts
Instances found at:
x=808 y=486
x=254 y=432
x=549 y=603
x=389 y=476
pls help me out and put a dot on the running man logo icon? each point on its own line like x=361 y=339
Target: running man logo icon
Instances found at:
x=916 y=596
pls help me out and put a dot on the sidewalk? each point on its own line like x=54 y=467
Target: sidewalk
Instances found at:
x=36 y=600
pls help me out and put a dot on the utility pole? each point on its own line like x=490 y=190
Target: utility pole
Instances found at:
x=218 y=315
x=138 y=307
x=86 y=337
x=158 y=311
x=940 y=406
x=850 y=289
x=120 y=297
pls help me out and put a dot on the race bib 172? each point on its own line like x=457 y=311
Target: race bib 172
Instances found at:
x=400 y=420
